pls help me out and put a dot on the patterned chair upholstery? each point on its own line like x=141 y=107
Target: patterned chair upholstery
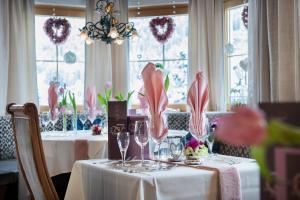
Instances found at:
x=180 y=121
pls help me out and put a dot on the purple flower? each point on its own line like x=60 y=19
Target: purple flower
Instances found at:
x=108 y=85
x=61 y=90
x=62 y=110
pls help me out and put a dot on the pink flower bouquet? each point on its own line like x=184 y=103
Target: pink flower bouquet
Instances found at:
x=194 y=149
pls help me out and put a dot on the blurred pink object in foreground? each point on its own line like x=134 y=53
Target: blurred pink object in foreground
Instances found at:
x=52 y=100
x=157 y=99
x=197 y=99
x=245 y=126
x=90 y=97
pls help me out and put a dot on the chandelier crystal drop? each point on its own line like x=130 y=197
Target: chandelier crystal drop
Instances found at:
x=107 y=29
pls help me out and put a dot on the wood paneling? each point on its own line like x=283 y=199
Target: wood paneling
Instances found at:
x=158 y=10
x=60 y=11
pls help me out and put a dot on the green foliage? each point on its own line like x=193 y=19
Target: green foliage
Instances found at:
x=167 y=83
x=73 y=101
x=279 y=134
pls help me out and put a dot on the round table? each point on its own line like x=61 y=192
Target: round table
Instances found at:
x=60 y=149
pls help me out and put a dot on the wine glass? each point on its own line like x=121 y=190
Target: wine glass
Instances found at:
x=141 y=131
x=83 y=117
x=123 y=139
x=176 y=147
x=159 y=132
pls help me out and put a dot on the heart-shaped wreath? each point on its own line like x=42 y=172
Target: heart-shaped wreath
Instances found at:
x=245 y=16
x=155 y=22
x=57 y=29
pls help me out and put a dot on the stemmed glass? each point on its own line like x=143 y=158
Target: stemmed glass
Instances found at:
x=141 y=131
x=123 y=139
x=159 y=132
x=83 y=117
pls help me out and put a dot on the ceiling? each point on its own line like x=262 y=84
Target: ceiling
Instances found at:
x=131 y=3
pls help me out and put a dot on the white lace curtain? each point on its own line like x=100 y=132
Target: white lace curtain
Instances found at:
x=274 y=71
x=17 y=53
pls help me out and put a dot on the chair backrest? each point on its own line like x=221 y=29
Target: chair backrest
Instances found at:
x=30 y=151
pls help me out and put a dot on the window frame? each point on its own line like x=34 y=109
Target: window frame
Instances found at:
x=64 y=11
x=162 y=10
x=228 y=4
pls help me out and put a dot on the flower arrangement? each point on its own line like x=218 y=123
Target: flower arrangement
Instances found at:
x=194 y=149
x=96 y=129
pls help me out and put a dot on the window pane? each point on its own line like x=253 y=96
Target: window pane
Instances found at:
x=238 y=33
x=73 y=76
x=173 y=55
x=237 y=57
x=238 y=80
x=177 y=71
x=177 y=45
x=46 y=71
x=45 y=50
x=146 y=48
x=69 y=71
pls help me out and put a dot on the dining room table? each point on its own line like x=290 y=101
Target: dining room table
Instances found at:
x=63 y=149
x=105 y=179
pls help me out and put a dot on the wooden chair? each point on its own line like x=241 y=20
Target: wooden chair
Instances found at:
x=30 y=151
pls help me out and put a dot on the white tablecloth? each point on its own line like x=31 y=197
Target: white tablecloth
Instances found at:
x=94 y=180
x=59 y=149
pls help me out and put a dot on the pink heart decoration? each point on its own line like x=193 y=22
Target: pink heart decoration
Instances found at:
x=163 y=21
x=57 y=29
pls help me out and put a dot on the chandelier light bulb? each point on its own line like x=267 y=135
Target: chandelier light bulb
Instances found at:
x=83 y=35
x=113 y=33
x=119 y=41
x=88 y=41
x=135 y=36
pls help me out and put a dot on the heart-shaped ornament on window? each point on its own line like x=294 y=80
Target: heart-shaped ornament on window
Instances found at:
x=57 y=29
x=165 y=24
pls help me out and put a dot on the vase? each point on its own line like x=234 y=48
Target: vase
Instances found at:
x=74 y=121
x=64 y=122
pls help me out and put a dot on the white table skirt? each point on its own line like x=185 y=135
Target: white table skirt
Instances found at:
x=93 y=180
x=59 y=149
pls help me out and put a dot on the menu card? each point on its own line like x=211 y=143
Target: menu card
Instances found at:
x=117 y=121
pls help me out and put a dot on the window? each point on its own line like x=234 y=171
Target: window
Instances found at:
x=173 y=55
x=236 y=56
x=63 y=71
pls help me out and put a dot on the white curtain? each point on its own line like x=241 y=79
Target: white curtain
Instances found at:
x=206 y=47
x=107 y=62
x=18 y=79
x=98 y=69
x=120 y=59
x=274 y=71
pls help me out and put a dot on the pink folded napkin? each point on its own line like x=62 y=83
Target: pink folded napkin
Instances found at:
x=52 y=100
x=157 y=100
x=91 y=103
x=143 y=100
x=197 y=99
x=81 y=150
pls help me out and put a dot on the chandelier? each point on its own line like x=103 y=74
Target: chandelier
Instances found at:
x=107 y=29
